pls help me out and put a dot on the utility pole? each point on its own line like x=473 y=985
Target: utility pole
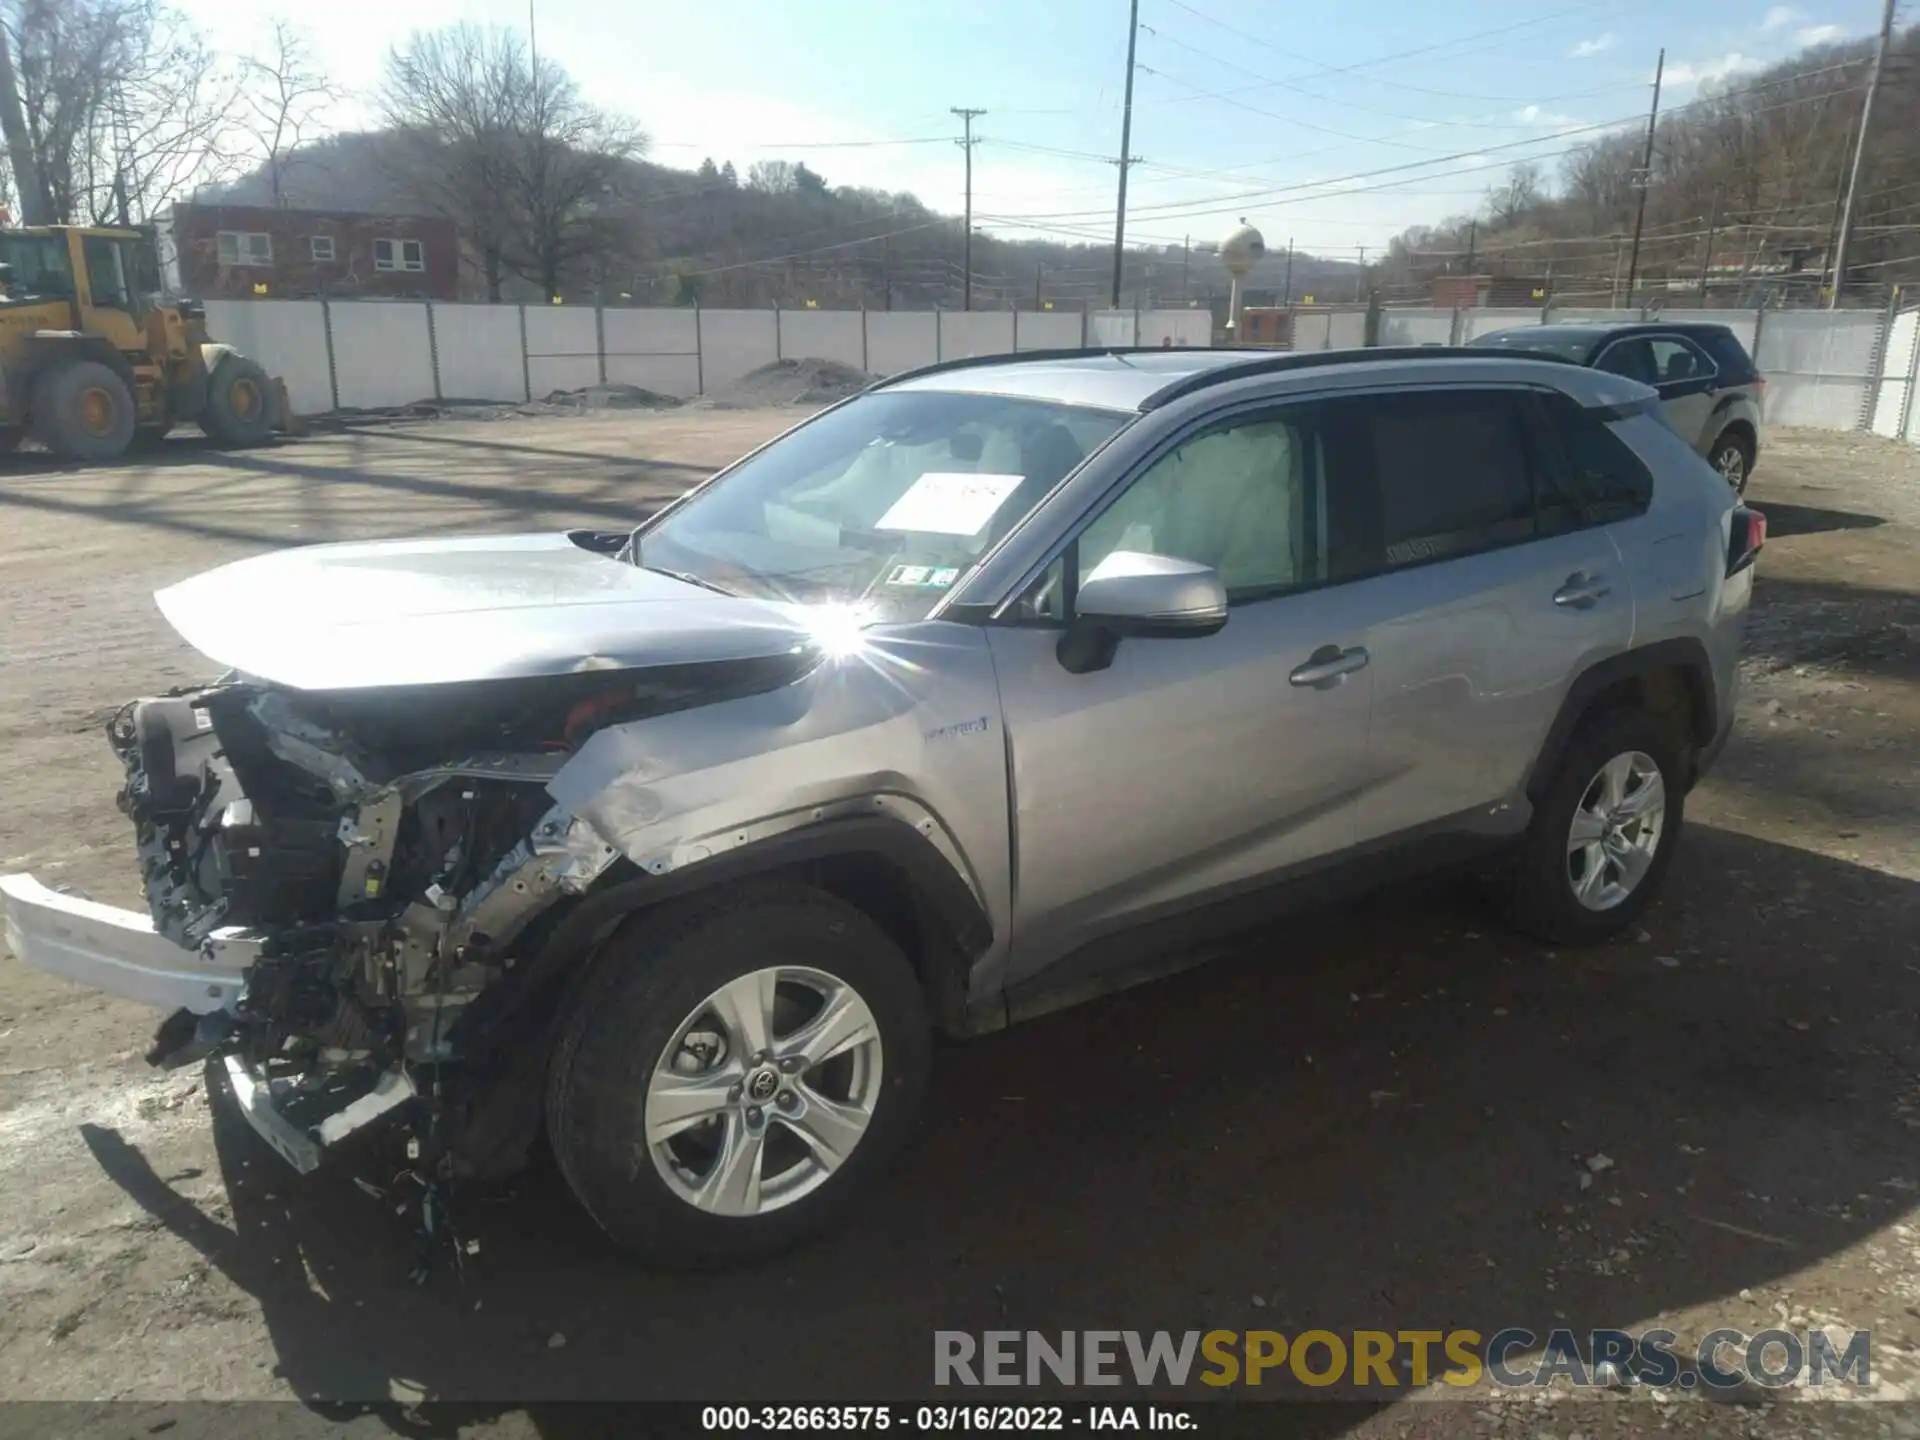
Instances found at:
x=1186 y=255
x=1360 y=277
x=34 y=205
x=1706 y=260
x=967 y=143
x=1288 y=302
x=1646 y=173
x=1473 y=239
x=1859 y=153
x=1126 y=153
x=1038 y=270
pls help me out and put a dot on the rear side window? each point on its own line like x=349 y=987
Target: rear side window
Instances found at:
x=1454 y=471
x=1736 y=366
x=1603 y=480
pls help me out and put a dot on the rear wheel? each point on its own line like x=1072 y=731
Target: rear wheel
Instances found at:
x=241 y=407
x=1603 y=834
x=83 y=411
x=738 y=1067
x=1732 y=456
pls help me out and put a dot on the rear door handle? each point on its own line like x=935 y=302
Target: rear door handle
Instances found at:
x=1582 y=591
x=1328 y=666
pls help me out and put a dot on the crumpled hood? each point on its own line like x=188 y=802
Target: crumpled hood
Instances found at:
x=426 y=612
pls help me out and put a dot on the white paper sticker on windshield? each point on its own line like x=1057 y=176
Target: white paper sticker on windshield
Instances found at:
x=950 y=502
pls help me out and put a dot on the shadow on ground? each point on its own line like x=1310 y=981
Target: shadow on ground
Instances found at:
x=1375 y=1118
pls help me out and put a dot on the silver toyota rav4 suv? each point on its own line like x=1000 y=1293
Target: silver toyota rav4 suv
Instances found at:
x=1001 y=684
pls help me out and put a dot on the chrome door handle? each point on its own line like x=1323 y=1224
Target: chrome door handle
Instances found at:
x=1582 y=592
x=1329 y=665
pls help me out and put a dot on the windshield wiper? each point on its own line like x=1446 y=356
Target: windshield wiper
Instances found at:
x=688 y=578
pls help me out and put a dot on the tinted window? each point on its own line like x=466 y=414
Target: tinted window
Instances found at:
x=1454 y=473
x=1736 y=366
x=1676 y=360
x=1631 y=358
x=1248 y=498
x=1604 y=479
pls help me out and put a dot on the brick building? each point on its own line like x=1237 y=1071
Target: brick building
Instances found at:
x=246 y=251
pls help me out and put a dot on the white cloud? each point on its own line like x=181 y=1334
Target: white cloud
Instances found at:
x=1820 y=34
x=1586 y=49
x=1551 y=119
x=1778 y=18
x=1709 y=72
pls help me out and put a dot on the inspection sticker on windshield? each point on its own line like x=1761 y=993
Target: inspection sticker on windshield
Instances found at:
x=950 y=502
x=923 y=577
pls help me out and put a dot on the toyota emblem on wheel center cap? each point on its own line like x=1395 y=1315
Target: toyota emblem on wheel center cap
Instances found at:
x=762 y=1084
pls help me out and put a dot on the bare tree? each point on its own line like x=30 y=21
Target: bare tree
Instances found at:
x=286 y=96
x=510 y=152
x=125 y=106
x=1515 y=196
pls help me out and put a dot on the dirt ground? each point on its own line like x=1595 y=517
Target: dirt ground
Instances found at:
x=1377 y=1118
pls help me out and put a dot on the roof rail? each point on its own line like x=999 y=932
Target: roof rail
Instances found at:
x=1315 y=359
x=1020 y=357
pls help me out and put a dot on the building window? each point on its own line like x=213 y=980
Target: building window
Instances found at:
x=399 y=255
x=320 y=247
x=242 y=247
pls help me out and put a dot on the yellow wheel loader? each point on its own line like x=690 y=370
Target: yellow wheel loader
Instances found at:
x=92 y=362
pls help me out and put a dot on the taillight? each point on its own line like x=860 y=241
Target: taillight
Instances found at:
x=1749 y=534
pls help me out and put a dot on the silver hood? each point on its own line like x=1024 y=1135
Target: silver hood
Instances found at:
x=426 y=612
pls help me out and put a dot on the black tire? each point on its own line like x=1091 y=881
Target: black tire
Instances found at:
x=242 y=407
x=1732 y=455
x=648 y=983
x=82 y=410
x=1536 y=890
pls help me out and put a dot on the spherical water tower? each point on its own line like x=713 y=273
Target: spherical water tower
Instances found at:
x=1241 y=248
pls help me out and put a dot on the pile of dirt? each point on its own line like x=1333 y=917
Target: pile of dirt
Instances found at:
x=610 y=397
x=811 y=381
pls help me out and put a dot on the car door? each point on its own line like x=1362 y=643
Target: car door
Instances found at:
x=1689 y=386
x=1190 y=769
x=1491 y=595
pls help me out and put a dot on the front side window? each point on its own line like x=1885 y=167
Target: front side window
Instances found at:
x=105 y=278
x=1454 y=472
x=887 y=500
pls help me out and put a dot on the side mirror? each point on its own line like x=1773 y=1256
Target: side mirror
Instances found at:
x=1131 y=593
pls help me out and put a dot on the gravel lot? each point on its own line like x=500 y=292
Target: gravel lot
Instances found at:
x=1377 y=1118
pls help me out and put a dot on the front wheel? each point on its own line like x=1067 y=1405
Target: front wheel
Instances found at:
x=241 y=408
x=1732 y=456
x=83 y=411
x=1602 y=835
x=737 y=1068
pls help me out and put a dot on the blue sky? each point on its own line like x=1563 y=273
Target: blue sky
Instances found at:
x=1338 y=124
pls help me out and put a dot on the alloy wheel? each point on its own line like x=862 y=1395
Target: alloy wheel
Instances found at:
x=764 y=1091
x=1731 y=462
x=1616 y=830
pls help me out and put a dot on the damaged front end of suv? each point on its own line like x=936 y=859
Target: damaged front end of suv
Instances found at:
x=362 y=898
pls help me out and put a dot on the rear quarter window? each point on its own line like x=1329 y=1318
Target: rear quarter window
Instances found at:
x=1604 y=479
x=1736 y=366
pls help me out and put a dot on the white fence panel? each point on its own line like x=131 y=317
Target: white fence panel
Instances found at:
x=966 y=333
x=1892 y=405
x=289 y=337
x=1047 y=330
x=903 y=340
x=479 y=349
x=1179 y=327
x=736 y=342
x=563 y=349
x=1416 y=327
x=1347 y=330
x=822 y=335
x=381 y=354
x=1477 y=322
x=654 y=349
x=1111 y=327
x=1818 y=366
x=1312 y=330
x=1573 y=315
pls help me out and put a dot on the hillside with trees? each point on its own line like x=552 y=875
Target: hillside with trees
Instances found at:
x=1745 y=192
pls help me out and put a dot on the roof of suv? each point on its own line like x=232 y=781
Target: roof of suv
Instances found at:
x=1596 y=331
x=1143 y=379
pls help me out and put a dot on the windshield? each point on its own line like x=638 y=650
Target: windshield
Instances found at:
x=39 y=267
x=888 y=499
x=1574 y=347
